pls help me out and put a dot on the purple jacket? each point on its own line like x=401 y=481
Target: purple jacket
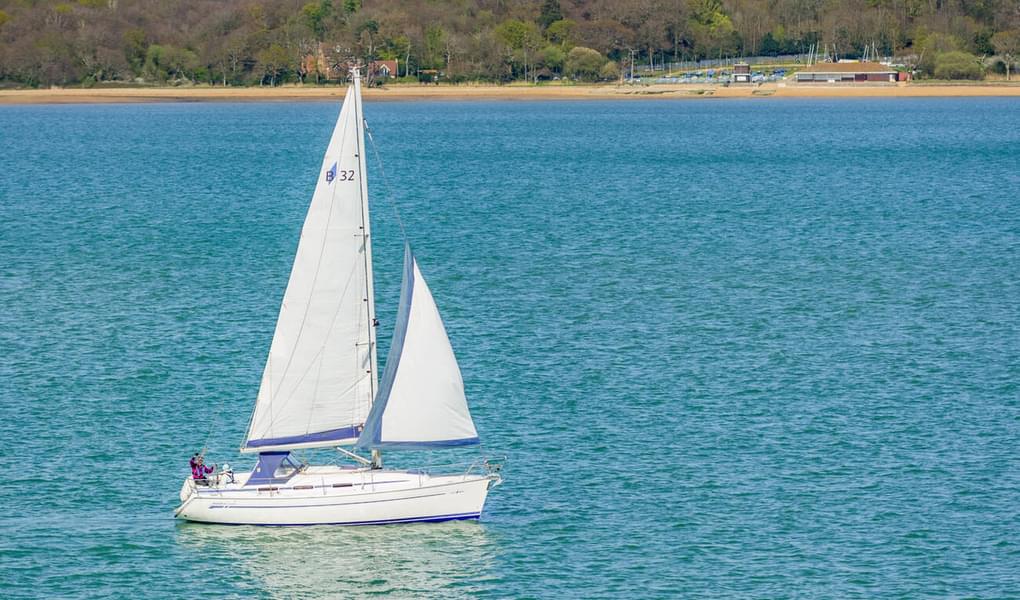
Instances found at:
x=199 y=471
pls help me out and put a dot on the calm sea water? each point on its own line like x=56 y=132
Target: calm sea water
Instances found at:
x=731 y=348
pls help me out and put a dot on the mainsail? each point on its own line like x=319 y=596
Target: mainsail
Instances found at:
x=421 y=402
x=320 y=376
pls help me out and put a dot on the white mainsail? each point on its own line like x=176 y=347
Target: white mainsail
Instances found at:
x=421 y=401
x=320 y=376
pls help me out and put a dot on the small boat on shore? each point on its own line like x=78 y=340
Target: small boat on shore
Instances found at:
x=320 y=387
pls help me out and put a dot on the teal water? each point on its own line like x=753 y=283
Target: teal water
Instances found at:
x=731 y=348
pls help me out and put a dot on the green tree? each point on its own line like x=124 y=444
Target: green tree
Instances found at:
x=561 y=32
x=164 y=63
x=550 y=13
x=523 y=40
x=435 y=42
x=957 y=65
x=712 y=28
x=181 y=63
x=769 y=46
x=584 y=63
x=609 y=71
x=553 y=58
x=982 y=43
x=316 y=16
x=930 y=45
x=274 y=62
x=1007 y=44
x=154 y=68
x=402 y=47
x=516 y=34
x=135 y=47
x=45 y=42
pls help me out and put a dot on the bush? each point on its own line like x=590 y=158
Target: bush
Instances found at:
x=610 y=71
x=584 y=63
x=553 y=57
x=957 y=65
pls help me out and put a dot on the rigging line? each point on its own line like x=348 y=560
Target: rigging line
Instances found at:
x=291 y=392
x=273 y=420
x=320 y=358
x=217 y=415
x=386 y=184
x=266 y=373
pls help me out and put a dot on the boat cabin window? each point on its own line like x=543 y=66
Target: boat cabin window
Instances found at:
x=286 y=469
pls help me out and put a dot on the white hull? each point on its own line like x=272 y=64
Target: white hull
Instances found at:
x=338 y=496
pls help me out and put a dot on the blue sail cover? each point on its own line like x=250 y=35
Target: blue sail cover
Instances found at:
x=421 y=401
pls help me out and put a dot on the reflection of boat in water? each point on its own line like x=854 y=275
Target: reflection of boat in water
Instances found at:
x=320 y=387
x=452 y=561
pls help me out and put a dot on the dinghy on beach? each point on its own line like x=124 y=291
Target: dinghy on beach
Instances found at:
x=320 y=387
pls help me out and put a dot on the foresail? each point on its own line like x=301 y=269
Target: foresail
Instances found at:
x=319 y=379
x=421 y=401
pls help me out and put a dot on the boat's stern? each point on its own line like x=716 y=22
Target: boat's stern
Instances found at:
x=187 y=489
x=188 y=492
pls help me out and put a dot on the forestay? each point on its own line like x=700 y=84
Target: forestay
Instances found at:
x=320 y=376
x=421 y=400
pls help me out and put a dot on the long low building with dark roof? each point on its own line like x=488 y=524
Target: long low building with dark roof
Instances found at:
x=848 y=72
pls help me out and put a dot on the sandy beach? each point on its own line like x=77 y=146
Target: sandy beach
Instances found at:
x=508 y=92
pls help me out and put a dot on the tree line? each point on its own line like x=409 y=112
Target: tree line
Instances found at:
x=268 y=42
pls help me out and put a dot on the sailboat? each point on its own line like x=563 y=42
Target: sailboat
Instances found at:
x=321 y=389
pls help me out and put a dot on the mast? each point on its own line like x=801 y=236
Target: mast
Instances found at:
x=366 y=236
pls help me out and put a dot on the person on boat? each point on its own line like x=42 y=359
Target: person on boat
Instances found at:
x=198 y=468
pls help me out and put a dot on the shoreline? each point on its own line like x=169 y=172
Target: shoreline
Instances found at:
x=405 y=92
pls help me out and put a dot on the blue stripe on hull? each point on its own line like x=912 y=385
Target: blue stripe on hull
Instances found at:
x=435 y=519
